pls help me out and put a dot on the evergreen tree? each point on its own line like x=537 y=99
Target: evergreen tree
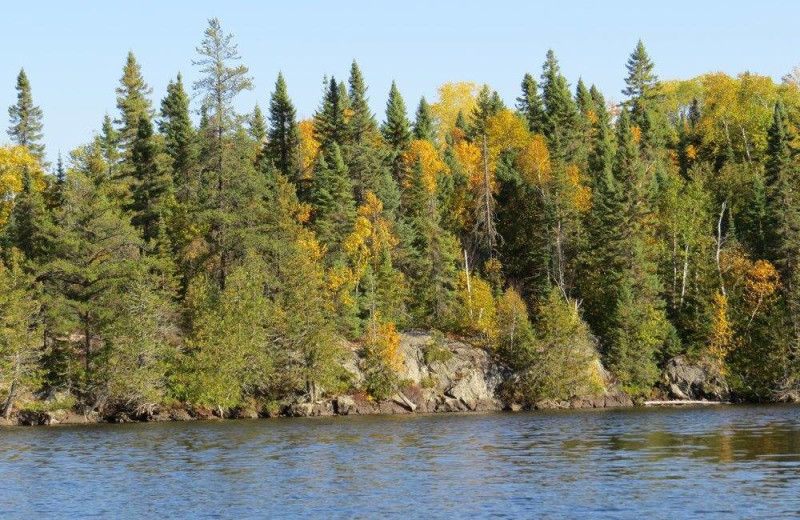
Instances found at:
x=396 y=132
x=423 y=122
x=152 y=188
x=132 y=103
x=176 y=126
x=640 y=87
x=487 y=105
x=332 y=205
x=26 y=119
x=560 y=113
x=283 y=137
x=530 y=105
x=20 y=334
x=329 y=120
x=27 y=224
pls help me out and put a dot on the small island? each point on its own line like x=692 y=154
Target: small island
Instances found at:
x=191 y=261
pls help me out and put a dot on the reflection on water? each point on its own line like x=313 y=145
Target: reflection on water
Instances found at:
x=665 y=463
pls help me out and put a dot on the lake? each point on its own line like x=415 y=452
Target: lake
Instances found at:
x=713 y=462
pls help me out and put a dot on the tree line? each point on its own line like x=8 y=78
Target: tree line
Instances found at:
x=236 y=260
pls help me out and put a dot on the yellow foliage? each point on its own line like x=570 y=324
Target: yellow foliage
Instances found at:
x=308 y=149
x=425 y=153
x=470 y=157
x=453 y=98
x=761 y=283
x=582 y=194
x=637 y=134
x=722 y=339
x=534 y=161
x=14 y=160
x=384 y=344
x=505 y=131
x=691 y=152
x=479 y=313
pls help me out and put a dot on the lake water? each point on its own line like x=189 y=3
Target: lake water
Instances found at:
x=713 y=462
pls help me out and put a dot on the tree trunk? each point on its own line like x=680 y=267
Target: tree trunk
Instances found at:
x=12 y=394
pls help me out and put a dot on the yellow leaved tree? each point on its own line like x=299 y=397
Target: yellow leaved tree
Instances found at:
x=14 y=161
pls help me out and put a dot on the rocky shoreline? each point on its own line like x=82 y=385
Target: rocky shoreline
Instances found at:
x=458 y=377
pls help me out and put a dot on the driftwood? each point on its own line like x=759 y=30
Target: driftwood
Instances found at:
x=681 y=403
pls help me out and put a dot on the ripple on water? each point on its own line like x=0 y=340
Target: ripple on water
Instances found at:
x=665 y=463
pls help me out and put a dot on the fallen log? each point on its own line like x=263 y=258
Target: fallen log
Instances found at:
x=680 y=402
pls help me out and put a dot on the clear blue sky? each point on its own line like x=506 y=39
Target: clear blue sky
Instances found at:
x=73 y=52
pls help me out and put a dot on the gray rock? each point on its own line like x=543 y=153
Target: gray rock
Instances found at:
x=695 y=381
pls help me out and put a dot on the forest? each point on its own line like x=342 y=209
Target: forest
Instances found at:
x=191 y=254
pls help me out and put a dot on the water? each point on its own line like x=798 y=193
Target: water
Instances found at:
x=645 y=463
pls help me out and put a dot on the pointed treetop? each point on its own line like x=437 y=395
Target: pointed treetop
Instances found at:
x=423 y=122
x=257 y=127
x=396 y=128
x=640 y=73
x=529 y=104
x=26 y=119
x=283 y=134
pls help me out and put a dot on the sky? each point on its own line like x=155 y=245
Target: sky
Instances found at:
x=73 y=52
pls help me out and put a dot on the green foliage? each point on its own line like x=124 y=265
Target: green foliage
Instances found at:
x=26 y=119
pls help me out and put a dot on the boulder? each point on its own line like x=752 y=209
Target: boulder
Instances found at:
x=695 y=381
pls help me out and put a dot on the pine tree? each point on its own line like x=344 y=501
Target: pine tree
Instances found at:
x=530 y=106
x=26 y=119
x=283 y=137
x=132 y=103
x=176 y=126
x=423 y=122
x=220 y=83
x=396 y=131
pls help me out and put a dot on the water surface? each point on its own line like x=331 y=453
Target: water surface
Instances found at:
x=714 y=462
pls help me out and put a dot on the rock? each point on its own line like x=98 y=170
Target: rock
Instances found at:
x=317 y=409
x=695 y=381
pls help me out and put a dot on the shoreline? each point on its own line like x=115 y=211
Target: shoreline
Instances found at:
x=326 y=408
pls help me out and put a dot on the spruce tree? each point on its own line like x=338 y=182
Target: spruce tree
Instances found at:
x=423 y=122
x=176 y=126
x=560 y=113
x=257 y=127
x=333 y=210
x=132 y=102
x=530 y=106
x=152 y=188
x=283 y=137
x=396 y=131
x=487 y=105
x=641 y=90
x=329 y=120
x=28 y=222
x=26 y=119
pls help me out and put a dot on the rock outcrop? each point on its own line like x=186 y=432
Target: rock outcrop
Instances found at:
x=695 y=381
